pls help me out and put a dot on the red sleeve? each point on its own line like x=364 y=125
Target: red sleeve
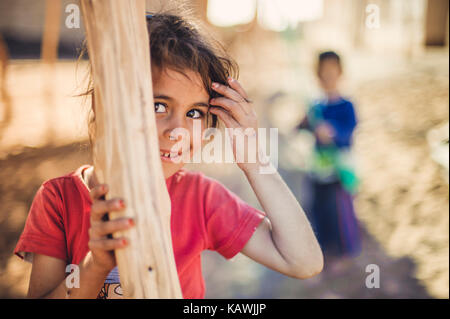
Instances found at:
x=44 y=229
x=230 y=222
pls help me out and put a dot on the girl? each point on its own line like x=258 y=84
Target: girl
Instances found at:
x=191 y=82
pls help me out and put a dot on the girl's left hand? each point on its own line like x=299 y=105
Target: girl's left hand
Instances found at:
x=237 y=112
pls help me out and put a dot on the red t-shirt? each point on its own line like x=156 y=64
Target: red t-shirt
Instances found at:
x=205 y=216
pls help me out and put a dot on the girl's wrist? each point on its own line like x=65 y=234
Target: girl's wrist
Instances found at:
x=263 y=165
x=92 y=267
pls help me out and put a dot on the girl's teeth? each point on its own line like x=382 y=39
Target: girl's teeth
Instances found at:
x=168 y=155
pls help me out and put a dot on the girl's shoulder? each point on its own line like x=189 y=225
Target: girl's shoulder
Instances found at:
x=55 y=215
x=67 y=185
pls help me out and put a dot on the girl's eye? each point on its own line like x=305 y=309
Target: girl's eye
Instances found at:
x=195 y=114
x=159 y=107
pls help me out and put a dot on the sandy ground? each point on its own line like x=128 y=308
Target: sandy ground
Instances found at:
x=404 y=197
x=402 y=203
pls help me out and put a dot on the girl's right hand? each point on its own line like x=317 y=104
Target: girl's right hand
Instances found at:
x=102 y=248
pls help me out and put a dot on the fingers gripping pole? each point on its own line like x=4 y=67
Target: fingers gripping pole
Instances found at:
x=126 y=151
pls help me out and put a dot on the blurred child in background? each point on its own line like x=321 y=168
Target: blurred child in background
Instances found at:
x=331 y=178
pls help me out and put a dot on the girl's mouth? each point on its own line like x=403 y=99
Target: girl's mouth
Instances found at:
x=168 y=156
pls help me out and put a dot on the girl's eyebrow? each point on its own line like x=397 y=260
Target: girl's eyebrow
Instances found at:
x=201 y=104
x=165 y=97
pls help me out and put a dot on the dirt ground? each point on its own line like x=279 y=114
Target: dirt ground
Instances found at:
x=249 y=280
x=402 y=203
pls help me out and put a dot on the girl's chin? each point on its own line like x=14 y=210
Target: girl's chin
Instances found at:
x=170 y=168
x=171 y=162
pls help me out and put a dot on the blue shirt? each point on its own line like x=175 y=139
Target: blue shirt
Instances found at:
x=333 y=161
x=340 y=114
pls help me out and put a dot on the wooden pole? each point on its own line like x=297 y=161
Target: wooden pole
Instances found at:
x=4 y=94
x=50 y=37
x=436 y=25
x=126 y=151
x=4 y=58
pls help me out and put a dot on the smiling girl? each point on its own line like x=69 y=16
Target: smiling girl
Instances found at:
x=191 y=82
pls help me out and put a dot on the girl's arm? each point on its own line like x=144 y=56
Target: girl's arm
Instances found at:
x=48 y=279
x=285 y=240
x=48 y=276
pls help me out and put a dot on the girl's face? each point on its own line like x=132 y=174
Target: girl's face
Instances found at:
x=180 y=99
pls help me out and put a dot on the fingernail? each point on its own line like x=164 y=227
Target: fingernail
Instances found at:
x=215 y=85
x=131 y=222
x=120 y=204
x=230 y=79
x=124 y=242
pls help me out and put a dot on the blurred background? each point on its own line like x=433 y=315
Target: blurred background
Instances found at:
x=395 y=58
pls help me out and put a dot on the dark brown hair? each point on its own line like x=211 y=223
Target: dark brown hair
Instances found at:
x=328 y=55
x=177 y=44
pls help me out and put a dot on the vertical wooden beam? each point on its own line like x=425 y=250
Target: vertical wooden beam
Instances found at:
x=4 y=57
x=4 y=94
x=50 y=37
x=436 y=26
x=126 y=151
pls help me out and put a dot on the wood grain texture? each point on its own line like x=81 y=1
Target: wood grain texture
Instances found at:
x=126 y=151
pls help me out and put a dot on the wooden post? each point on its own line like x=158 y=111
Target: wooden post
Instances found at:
x=4 y=94
x=436 y=26
x=4 y=57
x=126 y=151
x=50 y=37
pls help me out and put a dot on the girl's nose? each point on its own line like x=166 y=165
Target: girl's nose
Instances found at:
x=173 y=129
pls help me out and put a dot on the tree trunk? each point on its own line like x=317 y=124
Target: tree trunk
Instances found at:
x=126 y=151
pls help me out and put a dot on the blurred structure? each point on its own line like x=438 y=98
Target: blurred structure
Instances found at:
x=436 y=28
x=396 y=61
